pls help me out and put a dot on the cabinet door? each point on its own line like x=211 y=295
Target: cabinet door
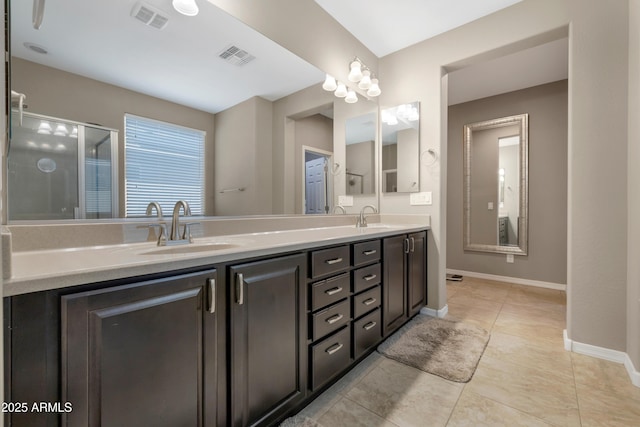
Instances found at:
x=138 y=354
x=417 y=272
x=394 y=295
x=268 y=339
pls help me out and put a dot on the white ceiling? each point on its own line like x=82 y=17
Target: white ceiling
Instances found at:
x=386 y=26
x=100 y=40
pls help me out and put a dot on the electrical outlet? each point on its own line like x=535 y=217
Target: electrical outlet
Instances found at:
x=345 y=200
x=510 y=258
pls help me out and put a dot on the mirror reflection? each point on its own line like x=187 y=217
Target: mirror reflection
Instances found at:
x=495 y=185
x=401 y=148
x=360 y=154
x=231 y=83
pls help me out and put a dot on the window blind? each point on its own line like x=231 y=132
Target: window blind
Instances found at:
x=163 y=163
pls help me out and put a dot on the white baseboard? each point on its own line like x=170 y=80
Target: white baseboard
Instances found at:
x=603 y=353
x=435 y=313
x=516 y=280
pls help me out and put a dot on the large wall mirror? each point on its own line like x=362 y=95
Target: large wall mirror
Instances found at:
x=92 y=65
x=360 y=135
x=496 y=185
x=401 y=148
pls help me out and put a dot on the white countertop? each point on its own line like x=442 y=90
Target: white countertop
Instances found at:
x=40 y=270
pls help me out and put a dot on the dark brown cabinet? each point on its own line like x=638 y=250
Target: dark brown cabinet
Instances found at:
x=268 y=356
x=404 y=279
x=143 y=354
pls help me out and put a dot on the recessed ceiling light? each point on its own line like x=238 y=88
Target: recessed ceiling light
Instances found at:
x=35 y=48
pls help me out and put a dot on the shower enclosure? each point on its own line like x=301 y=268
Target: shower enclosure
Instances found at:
x=60 y=169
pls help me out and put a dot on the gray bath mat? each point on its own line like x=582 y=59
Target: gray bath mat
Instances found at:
x=299 y=421
x=445 y=348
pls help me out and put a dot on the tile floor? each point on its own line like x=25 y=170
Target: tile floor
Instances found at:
x=524 y=378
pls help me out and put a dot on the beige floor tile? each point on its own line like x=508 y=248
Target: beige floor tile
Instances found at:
x=406 y=396
x=548 y=316
x=357 y=373
x=531 y=390
x=540 y=298
x=346 y=413
x=523 y=352
x=316 y=409
x=493 y=291
x=465 y=297
x=605 y=393
x=485 y=318
x=473 y=410
x=541 y=331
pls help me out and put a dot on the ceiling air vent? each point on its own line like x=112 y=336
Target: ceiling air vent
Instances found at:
x=149 y=15
x=236 y=56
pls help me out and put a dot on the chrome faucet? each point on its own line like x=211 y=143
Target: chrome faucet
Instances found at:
x=362 y=220
x=162 y=237
x=175 y=223
x=344 y=212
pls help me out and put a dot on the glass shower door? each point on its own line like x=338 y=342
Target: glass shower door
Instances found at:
x=58 y=169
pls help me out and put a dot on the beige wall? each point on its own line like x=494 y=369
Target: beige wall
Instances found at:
x=60 y=94
x=243 y=158
x=547 y=250
x=633 y=254
x=314 y=131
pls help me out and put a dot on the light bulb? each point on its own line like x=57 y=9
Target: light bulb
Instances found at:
x=341 y=91
x=329 y=84
x=374 y=90
x=365 y=83
x=186 y=7
x=355 y=75
x=44 y=128
x=351 y=97
x=61 y=130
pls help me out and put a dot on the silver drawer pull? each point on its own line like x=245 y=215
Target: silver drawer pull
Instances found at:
x=333 y=319
x=369 y=325
x=333 y=291
x=333 y=261
x=212 y=295
x=334 y=348
x=371 y=252
x=240 y=289
x=370 y=277
x=369 y=301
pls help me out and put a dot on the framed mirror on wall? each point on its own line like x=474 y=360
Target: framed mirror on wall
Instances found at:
x=401 y=148
x=496 y=185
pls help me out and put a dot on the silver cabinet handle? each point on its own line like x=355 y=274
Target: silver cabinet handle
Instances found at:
x=369 y=301
x=334 y=348
x=371 y=252
x=212 y=295
x=333 y=291
x=369 y=325
x=370 y=277
x=406 y=246
x=240 y=289
x=333 y=261
x=413 y=244
x=333 y=319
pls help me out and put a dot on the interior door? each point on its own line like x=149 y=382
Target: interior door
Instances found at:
x=316 y=186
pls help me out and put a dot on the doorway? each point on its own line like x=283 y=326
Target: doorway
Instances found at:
x=317 y=181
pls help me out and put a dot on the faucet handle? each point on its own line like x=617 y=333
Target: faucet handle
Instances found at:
x=186 y=232
x=162 y=237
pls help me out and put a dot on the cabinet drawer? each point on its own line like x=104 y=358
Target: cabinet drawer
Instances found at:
x=366 y=252
x=328 y=291
x=326 y=321
x=364 y=278
x=366 y=301
x=332 y=260
x=367 y=332
x=329 y=357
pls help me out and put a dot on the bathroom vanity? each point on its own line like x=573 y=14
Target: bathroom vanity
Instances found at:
x=242 y=334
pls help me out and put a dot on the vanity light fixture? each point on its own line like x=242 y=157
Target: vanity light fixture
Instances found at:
x=355 y=75
x=341 y=91
x=61 y=130
x=330 y=83
x=186 y=7
x=44 y=128
x=351 y=97
x=358 y=73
